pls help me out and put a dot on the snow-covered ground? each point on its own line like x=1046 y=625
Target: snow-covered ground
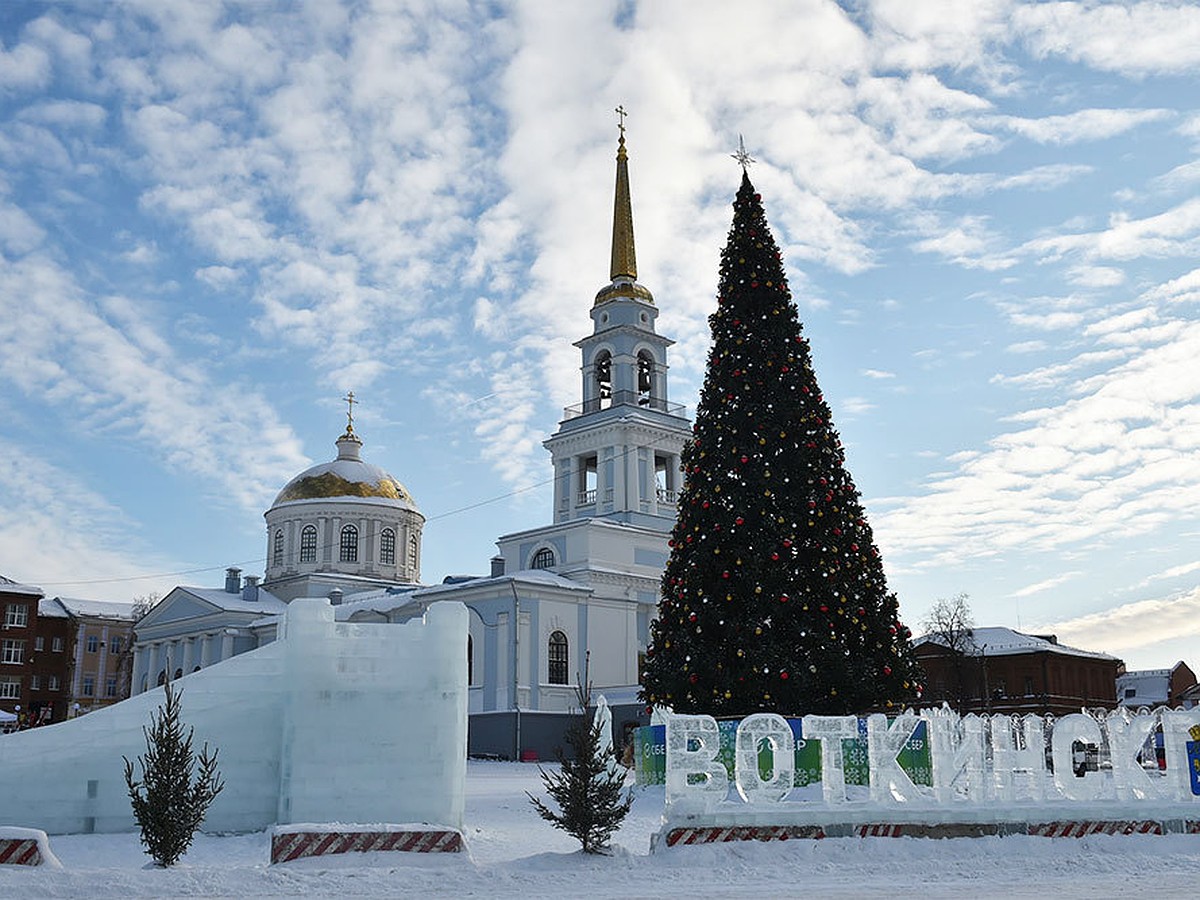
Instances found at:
x=514 y=853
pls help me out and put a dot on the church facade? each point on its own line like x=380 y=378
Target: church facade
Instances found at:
x=565 y=604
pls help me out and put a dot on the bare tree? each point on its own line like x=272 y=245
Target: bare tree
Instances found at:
x=124 y=661
x=950 y=624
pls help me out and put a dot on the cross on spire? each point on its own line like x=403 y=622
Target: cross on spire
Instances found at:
x=621 y=114
x=742 y=156
x=350 y=401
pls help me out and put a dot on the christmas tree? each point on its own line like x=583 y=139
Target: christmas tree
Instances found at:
x=774 y=597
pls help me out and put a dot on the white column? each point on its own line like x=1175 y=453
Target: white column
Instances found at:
x=139 y=662
x=154 y=664
x=188 y=651
x=226 y=645
x=206 y=651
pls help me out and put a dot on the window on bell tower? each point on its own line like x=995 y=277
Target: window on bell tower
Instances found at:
x=588 y=477
x=387 y=547
x=277 y=552
x=603 y=379
x=645 y=378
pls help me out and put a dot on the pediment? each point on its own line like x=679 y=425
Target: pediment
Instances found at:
x=177 y=606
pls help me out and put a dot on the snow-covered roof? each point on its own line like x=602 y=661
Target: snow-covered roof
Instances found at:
x=8 y=586
x=1148 y=686
x=267 y=603
x=382 y=601
x=999 y=641
x=532 y=577
x=50 y=608
x=99 y=609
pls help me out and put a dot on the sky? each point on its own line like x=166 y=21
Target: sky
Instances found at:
x=216 y=219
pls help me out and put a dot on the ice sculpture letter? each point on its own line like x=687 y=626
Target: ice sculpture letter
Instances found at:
x=831 y=731
x=1176 y=723
x=1071 y=775
x=777 y=733
x=956 y=748
x=1127 y=736
x=694 y=775
x=1027 y=756
x=888 y=780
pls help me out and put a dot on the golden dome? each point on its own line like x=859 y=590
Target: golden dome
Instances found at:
x=346 y=477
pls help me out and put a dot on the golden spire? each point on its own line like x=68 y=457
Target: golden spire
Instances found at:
x=623 y=269
x=624 y=257
x=350 y=401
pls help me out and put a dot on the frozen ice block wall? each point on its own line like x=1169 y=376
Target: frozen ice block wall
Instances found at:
x=375 y=727
x=315 y=719
x=69 y=778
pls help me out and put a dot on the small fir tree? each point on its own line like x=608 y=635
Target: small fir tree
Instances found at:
x=774 y=596
x=588 y=787
x=168 y=803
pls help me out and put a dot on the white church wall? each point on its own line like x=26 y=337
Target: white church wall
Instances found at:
x=613 y=627
x=345 y=722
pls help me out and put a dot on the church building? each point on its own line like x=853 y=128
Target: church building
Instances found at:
x=564 y=603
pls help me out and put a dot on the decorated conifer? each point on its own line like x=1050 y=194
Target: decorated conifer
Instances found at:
x=774 y=597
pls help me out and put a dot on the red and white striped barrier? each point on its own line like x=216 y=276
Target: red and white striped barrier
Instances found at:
x=19 y=852
x=1083 y=829
x=684 y=836
x=289 y=845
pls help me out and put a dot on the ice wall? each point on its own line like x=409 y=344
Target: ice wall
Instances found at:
x=333 y=722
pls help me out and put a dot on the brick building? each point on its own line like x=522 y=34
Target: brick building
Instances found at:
x=18 y=624
x=1005 y=671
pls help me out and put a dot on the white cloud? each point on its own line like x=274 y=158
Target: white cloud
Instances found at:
x=1135 y=38
x=877 y=374
x=1082 y=125
x=1135 y=625
x=56 y=530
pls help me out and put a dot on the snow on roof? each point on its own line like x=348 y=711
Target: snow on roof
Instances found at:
x=8 y=586
x=100 y=609
x=267 y=603
x=50 y=608
x=999 y=641
x=532 y=577
x=1147 y=685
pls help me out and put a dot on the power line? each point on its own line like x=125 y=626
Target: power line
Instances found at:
x=262 y=560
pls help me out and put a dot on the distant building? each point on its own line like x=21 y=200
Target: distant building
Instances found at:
x=1005 y=671
x=18 y=626
x=52 y=664
x=100 y=653
x=1156 y=687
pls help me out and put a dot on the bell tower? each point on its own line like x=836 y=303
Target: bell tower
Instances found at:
x=616 y=455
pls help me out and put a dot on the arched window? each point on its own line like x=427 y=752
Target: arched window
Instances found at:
x=412 y=555
x=645 y=378
x=162 y=677
x=604 y=379
x=556 y=656
x=543 y=559
x=349 y=545
x=470 y=661
x=308 y=544
x=277 y=549
x=178 y=673
x=387 y=547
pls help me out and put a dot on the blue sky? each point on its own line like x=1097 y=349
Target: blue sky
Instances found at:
x=217 y=219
